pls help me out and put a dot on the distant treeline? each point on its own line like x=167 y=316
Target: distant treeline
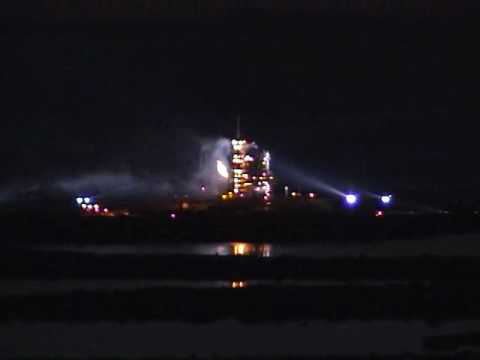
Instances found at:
x=195 y=8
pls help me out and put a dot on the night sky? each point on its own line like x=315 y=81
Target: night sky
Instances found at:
x=388 y=100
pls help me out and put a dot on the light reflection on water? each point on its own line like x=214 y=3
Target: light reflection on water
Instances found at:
x=235 y=248
x=455 y=245
x=30 y=287
x=239 y=284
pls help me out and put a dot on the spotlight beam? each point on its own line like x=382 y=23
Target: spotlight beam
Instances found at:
x=309 y=180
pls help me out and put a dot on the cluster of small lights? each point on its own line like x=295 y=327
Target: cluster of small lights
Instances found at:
x=298 y=195
x=266 y=177
x=86 y=204
x=243 y=179
x=241 y=162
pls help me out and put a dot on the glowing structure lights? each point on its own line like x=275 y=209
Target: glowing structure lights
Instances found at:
x=266 y=161
x=241 y=162
x=89 y=208
x=249 y=171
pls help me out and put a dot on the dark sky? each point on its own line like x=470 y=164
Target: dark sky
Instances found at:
x=326 y=92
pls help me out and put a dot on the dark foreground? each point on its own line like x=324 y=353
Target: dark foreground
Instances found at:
x=225 y=226
x=427 y=305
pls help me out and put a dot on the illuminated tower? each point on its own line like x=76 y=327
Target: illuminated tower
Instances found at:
x=249 y=174
x=250 y=170
x=241 y=167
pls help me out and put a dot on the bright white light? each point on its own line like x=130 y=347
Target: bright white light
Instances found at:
x=351 y=199
x=87 y=200
x=266 y=160
x=84 y=206
x=222 y=169
x=79 y=200
x=173 y=216
x=386 y=199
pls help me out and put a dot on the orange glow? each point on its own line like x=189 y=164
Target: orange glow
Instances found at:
x=185 y=205
x=239 y=249
x=224 y=197
x=248 y=249
x=239 y=284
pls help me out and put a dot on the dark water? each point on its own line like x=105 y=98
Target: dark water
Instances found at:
x=226 y=338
